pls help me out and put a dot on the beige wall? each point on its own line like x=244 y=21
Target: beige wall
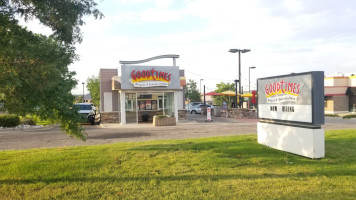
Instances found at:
x=105 y=87
x=336 y=81
x=334 y=90
x=352 y=81
x=329 y=105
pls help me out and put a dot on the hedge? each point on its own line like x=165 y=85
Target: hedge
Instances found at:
x=9 y=120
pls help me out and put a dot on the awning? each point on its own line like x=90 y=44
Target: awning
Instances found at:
x=212 y=94
x=351 y=91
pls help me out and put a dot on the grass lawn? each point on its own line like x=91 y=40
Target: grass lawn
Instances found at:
x=211 y=168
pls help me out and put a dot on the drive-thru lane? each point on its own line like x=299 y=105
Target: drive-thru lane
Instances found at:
x=194 y=126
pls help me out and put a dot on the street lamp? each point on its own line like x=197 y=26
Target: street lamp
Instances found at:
x=239 y=51
x=83 y=92
x=249 y=69
x=200 y=84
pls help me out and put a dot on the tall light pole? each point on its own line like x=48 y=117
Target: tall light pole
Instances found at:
x=200 y=84
x=83 y=92
x=249 y=69
x=236 y=81
x=239 y=51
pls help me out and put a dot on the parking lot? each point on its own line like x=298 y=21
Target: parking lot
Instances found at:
x=195 y=126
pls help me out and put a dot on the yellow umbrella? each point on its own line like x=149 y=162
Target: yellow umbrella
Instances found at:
x=248 y=95
x=228 y=93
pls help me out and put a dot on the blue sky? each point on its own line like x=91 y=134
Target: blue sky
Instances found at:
x=284 y=36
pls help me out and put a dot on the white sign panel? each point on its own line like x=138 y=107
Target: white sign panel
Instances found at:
x=291 y=98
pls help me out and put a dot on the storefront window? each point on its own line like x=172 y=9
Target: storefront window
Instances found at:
x=169 y=103
x=160 y=102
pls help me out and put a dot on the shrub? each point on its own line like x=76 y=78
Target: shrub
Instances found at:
x=9 y=120
x=162 y=116
x=28 y=121
x=349 y=116
x=331 y=115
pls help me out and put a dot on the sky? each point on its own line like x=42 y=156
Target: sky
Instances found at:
x=284 y=36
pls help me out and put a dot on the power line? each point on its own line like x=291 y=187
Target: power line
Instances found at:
x=199 y=75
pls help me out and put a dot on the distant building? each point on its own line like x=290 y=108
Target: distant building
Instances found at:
x=87 y=98
x=340 y=94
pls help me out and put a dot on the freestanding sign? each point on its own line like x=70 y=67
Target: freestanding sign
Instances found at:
x=291 y=112
x=208 y=114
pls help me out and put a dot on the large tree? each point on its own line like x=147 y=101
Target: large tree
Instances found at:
x=191 y=92
x=34 y=75
x=93 y=85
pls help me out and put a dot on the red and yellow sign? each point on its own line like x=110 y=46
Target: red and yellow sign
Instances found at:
x=282 y=87
x=150 y=75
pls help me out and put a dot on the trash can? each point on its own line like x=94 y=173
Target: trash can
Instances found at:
x=145 y=117
x=217 y=111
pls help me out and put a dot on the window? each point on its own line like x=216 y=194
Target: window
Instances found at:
x=129 y=104
x=160 y=102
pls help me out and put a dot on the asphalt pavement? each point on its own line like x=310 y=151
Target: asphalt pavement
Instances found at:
x=195 y=126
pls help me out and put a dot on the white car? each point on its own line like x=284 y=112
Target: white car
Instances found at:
x=87 y=110
x=192 y=104
x=197 y=109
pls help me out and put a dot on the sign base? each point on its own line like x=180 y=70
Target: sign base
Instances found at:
x=301 y=141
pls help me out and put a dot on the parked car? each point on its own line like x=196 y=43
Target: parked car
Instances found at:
x=197 y=109
x=87 y=110
x=192 y=104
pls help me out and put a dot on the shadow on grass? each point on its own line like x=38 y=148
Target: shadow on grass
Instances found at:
x=217 y=177
x=117 y=135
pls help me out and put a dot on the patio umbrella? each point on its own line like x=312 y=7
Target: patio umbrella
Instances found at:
x=228 y=93
x=212 y=94
x=248 y=95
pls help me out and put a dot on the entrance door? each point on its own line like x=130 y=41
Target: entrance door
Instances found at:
x=131 y=108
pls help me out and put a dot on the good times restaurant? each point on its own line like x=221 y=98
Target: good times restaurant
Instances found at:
x=141 y=91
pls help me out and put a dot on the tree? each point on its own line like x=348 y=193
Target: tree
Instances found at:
x=93 y=85
x=64 y=17
x=221 y=87
x=191 y=92
x=34 y=75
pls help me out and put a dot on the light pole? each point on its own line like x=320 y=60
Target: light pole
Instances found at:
x=249 y=69
x=83 y=92
x=200 y=84
x=239 y=51
x=236 y=81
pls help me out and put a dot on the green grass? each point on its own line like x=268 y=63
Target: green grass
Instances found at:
x=211 y=168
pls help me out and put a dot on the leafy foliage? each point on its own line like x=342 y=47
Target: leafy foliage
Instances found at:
x=64 y=17
x=93 y=85
x=221 y=87
x=191 y=92
x=34 y=68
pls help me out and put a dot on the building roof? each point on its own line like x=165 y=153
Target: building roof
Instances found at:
x=87 y=97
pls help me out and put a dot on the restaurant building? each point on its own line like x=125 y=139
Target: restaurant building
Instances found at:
x=134 y=93
x=340 y=94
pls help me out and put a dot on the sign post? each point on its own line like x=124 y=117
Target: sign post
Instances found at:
x=208 y=114
x=291 y=112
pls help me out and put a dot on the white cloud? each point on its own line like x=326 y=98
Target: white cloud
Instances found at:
x=284 y=35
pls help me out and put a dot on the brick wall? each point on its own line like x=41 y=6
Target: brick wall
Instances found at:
x=341 y=103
